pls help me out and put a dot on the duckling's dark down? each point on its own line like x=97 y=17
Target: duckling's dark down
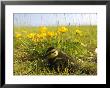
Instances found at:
x=58 y=60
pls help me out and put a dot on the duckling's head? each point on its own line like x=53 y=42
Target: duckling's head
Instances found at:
x=51 y=53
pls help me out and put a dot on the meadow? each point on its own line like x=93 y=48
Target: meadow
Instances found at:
x=30 y=44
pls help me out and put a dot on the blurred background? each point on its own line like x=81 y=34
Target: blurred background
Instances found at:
x=53 y=19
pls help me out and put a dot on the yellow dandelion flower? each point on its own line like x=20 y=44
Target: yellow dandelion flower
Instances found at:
x=50 y=34
x=62 y=29
x=37 y=35
x=31 y=35
x=42 y=35
x=35 y=39
x=18 y=35
x=43 y=29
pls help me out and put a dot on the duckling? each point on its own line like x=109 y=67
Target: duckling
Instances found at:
x=58 y=60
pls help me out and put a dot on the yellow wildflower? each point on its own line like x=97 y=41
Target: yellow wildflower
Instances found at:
x=50 y=34
x=43 y=35
x=43 y=29
x=31 y=35
x=62 y=29
x=35 y=39
x=18 y=35
x=37 y=35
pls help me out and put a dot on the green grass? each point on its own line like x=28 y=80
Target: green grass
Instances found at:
x=27 y=60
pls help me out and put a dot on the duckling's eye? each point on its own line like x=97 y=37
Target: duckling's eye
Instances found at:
x=52 y=51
